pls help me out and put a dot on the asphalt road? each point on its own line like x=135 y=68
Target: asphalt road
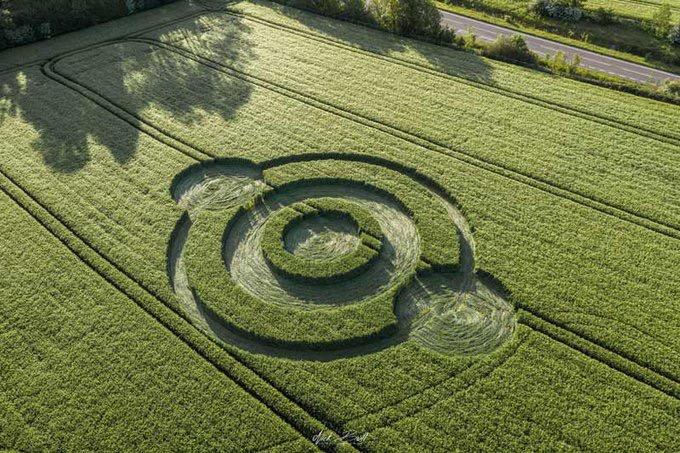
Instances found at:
x=592 y=60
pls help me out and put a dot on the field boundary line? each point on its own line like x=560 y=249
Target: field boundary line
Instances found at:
x=299 y=419
x=342 y=114
x=412 y=412
x=609 y=319
x=464 y=379
x=670 y=139
x=133 y=120
x=613 y=359
x=544 y=185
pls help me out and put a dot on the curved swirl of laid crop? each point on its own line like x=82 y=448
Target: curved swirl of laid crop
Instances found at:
x=322 y=222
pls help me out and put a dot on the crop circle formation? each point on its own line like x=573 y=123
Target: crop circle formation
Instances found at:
x=330 y=256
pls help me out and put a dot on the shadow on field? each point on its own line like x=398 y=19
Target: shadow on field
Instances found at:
x=146 y=81
x=172 y=91
x=448 y=60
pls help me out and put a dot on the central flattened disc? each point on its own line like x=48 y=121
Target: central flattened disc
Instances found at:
x=321 y=241
x=322 y=237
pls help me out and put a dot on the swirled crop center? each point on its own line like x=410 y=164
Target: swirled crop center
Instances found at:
x=322 y=237
x=248 y=267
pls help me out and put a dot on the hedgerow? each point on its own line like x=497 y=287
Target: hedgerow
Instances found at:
x=509 y=48
x=24 y=22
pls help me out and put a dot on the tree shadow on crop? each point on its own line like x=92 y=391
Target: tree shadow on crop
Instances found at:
x=146 y=81
x=171 y=91
x=446 y=59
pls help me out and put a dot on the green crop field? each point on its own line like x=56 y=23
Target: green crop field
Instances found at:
x=246 y=227
x=637 y=9
x=642 y=9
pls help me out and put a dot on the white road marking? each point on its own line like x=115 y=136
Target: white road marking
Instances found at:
x=589 y=59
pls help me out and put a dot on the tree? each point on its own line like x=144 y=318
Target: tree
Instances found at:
x=510 y=48
x=566 y=10
x=661 y=21
x=407 y=17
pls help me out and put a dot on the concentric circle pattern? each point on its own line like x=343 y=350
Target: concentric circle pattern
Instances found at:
x=326 y=257
x=321 y=241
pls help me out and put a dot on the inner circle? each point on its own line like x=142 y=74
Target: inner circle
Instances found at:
x=322 y=236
